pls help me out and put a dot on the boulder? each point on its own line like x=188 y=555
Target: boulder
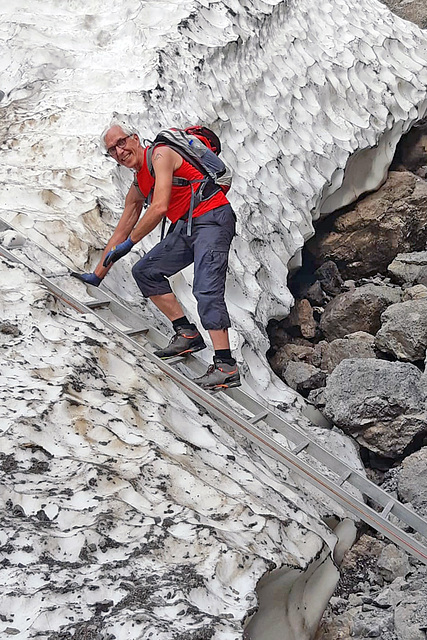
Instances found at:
x=357 y=310
x=393 y=563
x=404 y=330
x=290 y=352
x=316 y=398
x=303 y=377
x=412 y=481
x=300 y=320
x=310 y=354
x=315 y=294
x=354 y=345
x=329 y=278
x=416 y=292
x=409 y=268
x=380 y=403
x=410 y=616
x=364 y=240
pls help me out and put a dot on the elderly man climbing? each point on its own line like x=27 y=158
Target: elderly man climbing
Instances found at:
x=167 y=182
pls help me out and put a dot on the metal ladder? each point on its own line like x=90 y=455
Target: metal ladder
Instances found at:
x=237 y=408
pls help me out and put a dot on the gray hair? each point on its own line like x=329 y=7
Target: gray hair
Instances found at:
x=117 y=122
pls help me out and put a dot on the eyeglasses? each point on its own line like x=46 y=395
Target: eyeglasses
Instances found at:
x=121 y=143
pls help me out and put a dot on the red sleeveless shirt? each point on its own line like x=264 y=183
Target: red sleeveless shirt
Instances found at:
x=180 y=198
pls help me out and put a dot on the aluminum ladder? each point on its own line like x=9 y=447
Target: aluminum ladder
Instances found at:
x=243 y=413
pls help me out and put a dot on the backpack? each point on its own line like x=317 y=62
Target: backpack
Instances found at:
x=200 y=147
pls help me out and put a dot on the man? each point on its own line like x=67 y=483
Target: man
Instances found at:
x=213 y=228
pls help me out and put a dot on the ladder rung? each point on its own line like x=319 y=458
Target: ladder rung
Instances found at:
x=97 y=304
x=389 y=506
x=300 y=447
x=17 y=243
x=174 y=359
x=259 y=417
x=136 y=332
x=343 y=477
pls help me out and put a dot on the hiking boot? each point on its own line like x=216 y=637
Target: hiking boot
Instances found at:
x=220 y=375
x=186 y=340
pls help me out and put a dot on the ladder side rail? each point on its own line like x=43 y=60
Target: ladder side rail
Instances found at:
x=355 y=478
x=119 y=310
x=345 y=499
x=334 y=464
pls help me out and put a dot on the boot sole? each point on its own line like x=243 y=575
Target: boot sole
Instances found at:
x=223 y=385
x=186 y=352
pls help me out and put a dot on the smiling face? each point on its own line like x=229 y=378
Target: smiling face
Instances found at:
x=124 y=148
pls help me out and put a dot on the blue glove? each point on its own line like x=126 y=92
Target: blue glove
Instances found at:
x=118 y=252
x=88 y=278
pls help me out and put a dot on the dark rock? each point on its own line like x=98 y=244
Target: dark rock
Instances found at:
x=9 y=329
x=316 y=397
x=404 y=330
x=411 y=152
x=354 y=345
x=357 y=310
x=409 y=268
x=381 y=403
x=8 y=463
x=362 y=240
x=102 y=607
x=42 y=515
x=303 y=377
x=290 y=352
x=412 y=481
x=329 y=278
x=315 y=295
x=18 y=511
x=300 y=321
x=277 y=333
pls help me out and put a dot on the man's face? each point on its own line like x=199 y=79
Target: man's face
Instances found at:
x=124 y=148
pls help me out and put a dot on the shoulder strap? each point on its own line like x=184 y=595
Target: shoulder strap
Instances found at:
x=177 y=140
x=176 y=181
x=135 y=183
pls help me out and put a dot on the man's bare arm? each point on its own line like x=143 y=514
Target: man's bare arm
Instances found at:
x=130 y=216
x=165 y=162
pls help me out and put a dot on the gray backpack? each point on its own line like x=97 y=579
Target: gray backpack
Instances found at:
x=200 y=147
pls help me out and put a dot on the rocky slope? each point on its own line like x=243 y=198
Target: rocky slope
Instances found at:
x=355 y=344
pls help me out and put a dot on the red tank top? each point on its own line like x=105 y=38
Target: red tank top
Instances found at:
x=180 y=198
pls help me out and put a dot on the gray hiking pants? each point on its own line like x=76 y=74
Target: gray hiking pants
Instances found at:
x=208 y=247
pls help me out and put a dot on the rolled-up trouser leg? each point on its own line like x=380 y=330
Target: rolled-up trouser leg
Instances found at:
x=168 y=257
x=208 y=246
x=212 y=233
